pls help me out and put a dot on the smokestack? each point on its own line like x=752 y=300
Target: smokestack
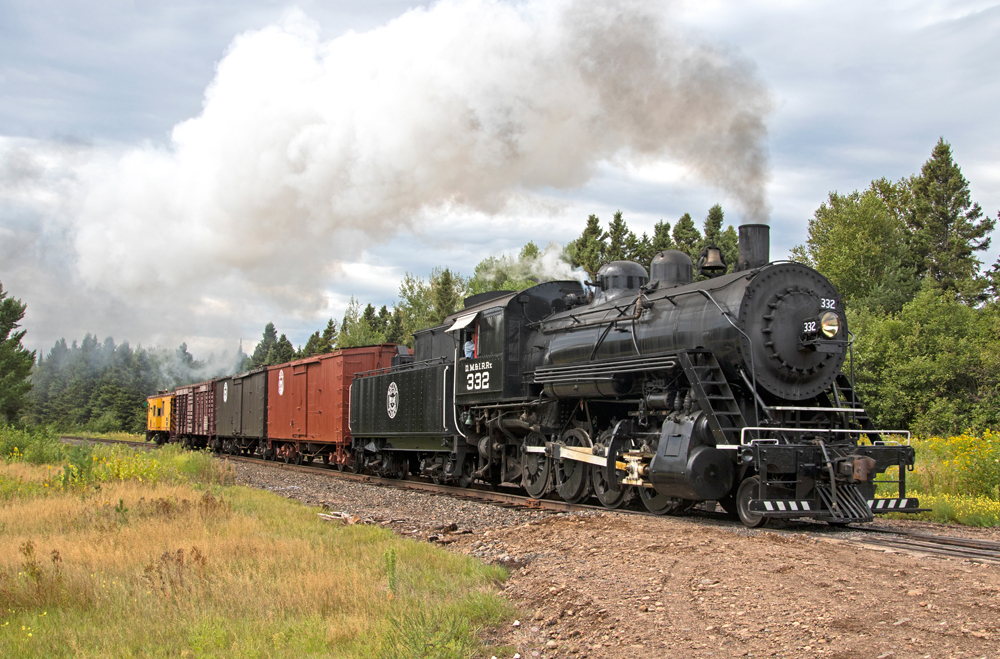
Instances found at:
x=755 y=246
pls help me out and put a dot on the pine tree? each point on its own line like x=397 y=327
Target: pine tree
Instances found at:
x=687 y=237
x=328 y=339
x=371 y=319
x=620 y=240
x=446 y=294
x=640 y=250
x=588 y=251
x=241 y=360
x=396 y=331
x=946 y=226
x=713 y=225
x=384 y=316
x=729 y=244
x=15 y=360
x=311 y=346
x=280 y=352
x=661 y=237
x=259 y=356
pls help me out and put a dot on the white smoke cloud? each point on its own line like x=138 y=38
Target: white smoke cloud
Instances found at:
x=308 y=151
x=549 y=265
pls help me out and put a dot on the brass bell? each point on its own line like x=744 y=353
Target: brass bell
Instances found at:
x=711 y=261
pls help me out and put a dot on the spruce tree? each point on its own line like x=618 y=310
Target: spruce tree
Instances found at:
x=280 y=352
x=620 y=240
x=384 y=316
x=445 y=294
x=259 y=356
x=687 y=237
x=713 y=225
x=661 y=237
x=396 y=331
x=328 y=339
x=946 y=226
x=15 y=360
x=311 y=346
x=588 y=251
x=371 y=319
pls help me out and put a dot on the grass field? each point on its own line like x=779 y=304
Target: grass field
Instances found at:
x=958 y=478
x=119 y=553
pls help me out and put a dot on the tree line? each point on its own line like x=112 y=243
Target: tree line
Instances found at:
x=924 y=310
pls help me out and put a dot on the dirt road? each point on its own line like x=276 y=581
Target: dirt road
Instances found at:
x=614 y=586
x=610 y=585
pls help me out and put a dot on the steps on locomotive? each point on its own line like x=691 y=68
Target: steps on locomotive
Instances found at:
x=704 y=373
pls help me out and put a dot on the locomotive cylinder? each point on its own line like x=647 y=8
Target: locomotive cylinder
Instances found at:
x=686 y=468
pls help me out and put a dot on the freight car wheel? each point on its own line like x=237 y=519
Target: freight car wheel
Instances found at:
x=536 y=468
x=573 y=477
x=661 y=504
x=748 y=490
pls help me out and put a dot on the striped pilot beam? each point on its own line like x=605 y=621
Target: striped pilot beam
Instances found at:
x=889 y=504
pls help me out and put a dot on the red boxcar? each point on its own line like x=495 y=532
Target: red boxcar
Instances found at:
x=308 y=401
x=194 y=414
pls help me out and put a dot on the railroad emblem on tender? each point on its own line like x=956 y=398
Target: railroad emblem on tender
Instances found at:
x=392 y=400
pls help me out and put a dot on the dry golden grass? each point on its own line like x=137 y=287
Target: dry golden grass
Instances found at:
x=165 y=569
x=26 y=472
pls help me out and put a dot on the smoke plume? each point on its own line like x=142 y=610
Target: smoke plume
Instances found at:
x=307 y=150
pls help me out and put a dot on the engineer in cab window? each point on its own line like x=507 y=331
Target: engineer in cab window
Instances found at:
x=470 y=346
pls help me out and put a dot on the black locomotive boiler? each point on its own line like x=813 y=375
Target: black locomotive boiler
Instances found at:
x=655 y=386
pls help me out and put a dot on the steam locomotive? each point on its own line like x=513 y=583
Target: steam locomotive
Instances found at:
x=655 y=387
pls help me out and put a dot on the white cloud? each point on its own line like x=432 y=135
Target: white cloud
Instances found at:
x=310 y=151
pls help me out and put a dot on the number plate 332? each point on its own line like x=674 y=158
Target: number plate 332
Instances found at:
x=477 y=376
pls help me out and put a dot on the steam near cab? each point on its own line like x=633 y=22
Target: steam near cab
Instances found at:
x=656 y=388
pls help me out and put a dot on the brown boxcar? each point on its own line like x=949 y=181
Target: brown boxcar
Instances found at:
x=194 y=414
x=308 y=402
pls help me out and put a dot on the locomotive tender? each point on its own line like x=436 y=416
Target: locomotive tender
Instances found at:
x=656 y=387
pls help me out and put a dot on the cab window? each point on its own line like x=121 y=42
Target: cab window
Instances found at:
x=490 y=333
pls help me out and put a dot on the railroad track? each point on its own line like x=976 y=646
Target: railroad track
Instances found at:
x=96 y=440
x=472 y=493
x=970 y=549
x=913 y=542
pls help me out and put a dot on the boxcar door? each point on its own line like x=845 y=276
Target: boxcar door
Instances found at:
x=254 y=404
x=237 y=406
x=300 y=401
x=314 y=401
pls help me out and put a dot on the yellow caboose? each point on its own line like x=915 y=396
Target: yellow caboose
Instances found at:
x=159 y=420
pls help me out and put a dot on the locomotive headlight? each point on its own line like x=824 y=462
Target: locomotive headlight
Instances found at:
x=829 y=323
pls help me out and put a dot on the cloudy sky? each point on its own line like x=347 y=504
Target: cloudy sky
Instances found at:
x=188 y=171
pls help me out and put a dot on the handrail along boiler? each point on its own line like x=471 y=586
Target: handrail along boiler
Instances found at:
x=656 y=387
